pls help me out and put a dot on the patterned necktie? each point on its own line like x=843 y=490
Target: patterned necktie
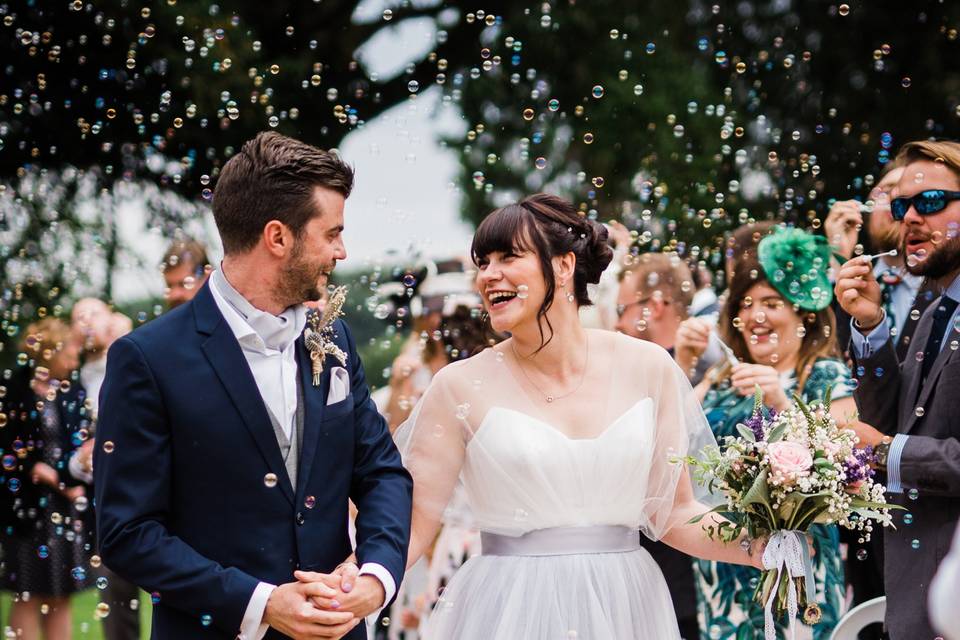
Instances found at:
x=889 y=280
x=941 y=316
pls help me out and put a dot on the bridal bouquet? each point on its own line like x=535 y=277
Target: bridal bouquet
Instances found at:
x=785 y=472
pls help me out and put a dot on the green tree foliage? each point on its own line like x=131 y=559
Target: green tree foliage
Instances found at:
x=105 y=101
x=682 y=119
x=710 y=114
x=168 y=90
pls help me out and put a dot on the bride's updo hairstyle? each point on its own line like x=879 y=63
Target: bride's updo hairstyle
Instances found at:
x=549 y=227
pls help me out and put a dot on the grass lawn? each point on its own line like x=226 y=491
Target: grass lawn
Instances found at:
x=85 y=625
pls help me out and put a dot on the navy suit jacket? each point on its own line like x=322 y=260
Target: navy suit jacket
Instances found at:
x=184 y=445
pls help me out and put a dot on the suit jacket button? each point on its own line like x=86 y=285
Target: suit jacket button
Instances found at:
x=300 y=518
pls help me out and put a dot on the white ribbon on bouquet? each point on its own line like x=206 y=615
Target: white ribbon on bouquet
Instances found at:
x=787 y=551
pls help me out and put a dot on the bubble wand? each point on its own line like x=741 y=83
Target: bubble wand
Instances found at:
x=890 y=253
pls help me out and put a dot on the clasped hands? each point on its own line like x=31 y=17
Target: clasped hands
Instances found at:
x=324 y=605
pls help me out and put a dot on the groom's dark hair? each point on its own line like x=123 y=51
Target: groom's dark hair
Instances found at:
x=273 y=178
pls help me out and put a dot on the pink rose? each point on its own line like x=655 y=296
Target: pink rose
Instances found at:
x=789 y=460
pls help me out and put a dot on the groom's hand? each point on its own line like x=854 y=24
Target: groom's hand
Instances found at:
x=360 y=595
x=290 y=611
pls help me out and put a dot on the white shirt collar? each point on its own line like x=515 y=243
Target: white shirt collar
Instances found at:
x=245 y=333
x=954 y=289
x=238 y=325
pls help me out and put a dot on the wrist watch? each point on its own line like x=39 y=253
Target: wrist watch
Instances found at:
x=882 y=451
x=881 y=318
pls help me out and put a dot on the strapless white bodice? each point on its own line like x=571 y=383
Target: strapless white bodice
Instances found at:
x=522 y=474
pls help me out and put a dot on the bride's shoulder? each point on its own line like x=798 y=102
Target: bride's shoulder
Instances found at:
x=628 y=350
x=456 y=373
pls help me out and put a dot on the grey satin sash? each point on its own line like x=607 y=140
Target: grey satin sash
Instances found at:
x=562 y=541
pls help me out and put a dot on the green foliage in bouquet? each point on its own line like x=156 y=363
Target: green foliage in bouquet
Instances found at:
x=783 y=473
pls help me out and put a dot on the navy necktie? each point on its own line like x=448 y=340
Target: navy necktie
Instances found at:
x=941 y=316
x=889 y=280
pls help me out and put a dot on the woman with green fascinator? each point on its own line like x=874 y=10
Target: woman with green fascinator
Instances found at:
x=778 y=323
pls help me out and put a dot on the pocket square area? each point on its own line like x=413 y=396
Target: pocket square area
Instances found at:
x=339 y=385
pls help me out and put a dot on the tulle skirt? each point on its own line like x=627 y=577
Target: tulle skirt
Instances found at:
x=592 y=596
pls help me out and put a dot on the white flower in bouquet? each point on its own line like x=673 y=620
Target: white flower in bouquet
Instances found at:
x=784 y=473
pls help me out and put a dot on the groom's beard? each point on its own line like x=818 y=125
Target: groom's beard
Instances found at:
x=300 y=278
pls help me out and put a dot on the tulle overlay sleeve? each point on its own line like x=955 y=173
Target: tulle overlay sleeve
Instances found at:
x=681 y=430
x=432 y=442
x=603 y=456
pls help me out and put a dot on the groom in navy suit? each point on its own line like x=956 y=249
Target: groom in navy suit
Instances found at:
x=222 y=470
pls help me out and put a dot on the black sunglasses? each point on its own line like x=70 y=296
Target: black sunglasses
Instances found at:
x=925 y=203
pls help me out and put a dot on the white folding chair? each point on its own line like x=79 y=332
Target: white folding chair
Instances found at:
x=859 y=617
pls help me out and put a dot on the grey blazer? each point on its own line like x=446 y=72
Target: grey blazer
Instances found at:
x=890 y=398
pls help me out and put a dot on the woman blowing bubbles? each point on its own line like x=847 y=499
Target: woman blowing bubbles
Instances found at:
x=779 y=325
x=563 y=439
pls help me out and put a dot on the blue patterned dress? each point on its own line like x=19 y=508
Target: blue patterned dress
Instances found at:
x=726 y=609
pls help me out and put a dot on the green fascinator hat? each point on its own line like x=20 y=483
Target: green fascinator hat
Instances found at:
x=796 y=263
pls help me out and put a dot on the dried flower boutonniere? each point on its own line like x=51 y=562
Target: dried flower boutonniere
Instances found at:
x=318 y=337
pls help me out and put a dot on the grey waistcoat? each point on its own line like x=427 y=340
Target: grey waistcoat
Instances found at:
x=290 y=447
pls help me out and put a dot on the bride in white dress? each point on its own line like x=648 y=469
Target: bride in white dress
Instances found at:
x=563 y=439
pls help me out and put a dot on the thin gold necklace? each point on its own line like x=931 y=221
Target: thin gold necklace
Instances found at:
x=547 y=396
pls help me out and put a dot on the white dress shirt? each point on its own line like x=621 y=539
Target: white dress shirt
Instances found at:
x=275 y=373
x=92 y=374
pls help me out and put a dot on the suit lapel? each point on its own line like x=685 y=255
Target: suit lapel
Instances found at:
x=912 y=370
x=946 y=355
x=226 y=357
x=315 y=400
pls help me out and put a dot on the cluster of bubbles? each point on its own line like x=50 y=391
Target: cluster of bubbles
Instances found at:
x=677 y=130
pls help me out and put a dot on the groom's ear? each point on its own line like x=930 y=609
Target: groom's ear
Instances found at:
x=277 y=238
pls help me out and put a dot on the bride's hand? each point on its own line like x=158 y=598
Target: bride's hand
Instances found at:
x=756 y=546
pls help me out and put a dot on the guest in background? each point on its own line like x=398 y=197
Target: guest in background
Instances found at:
x=655 y=291
x=420 y=297
x=46 y=525
x=185 y=268
x=742 y=243
x=600 y=315
x=93 y=325
x=97 y=327
x=705 y=301
x=914 y=402
x=777 y=320
x=697 y=347
x=903 y=297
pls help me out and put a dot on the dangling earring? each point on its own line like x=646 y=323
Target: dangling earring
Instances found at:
x=571 y=297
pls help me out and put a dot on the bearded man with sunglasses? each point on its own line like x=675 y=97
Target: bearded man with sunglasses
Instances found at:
x=914 y=404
